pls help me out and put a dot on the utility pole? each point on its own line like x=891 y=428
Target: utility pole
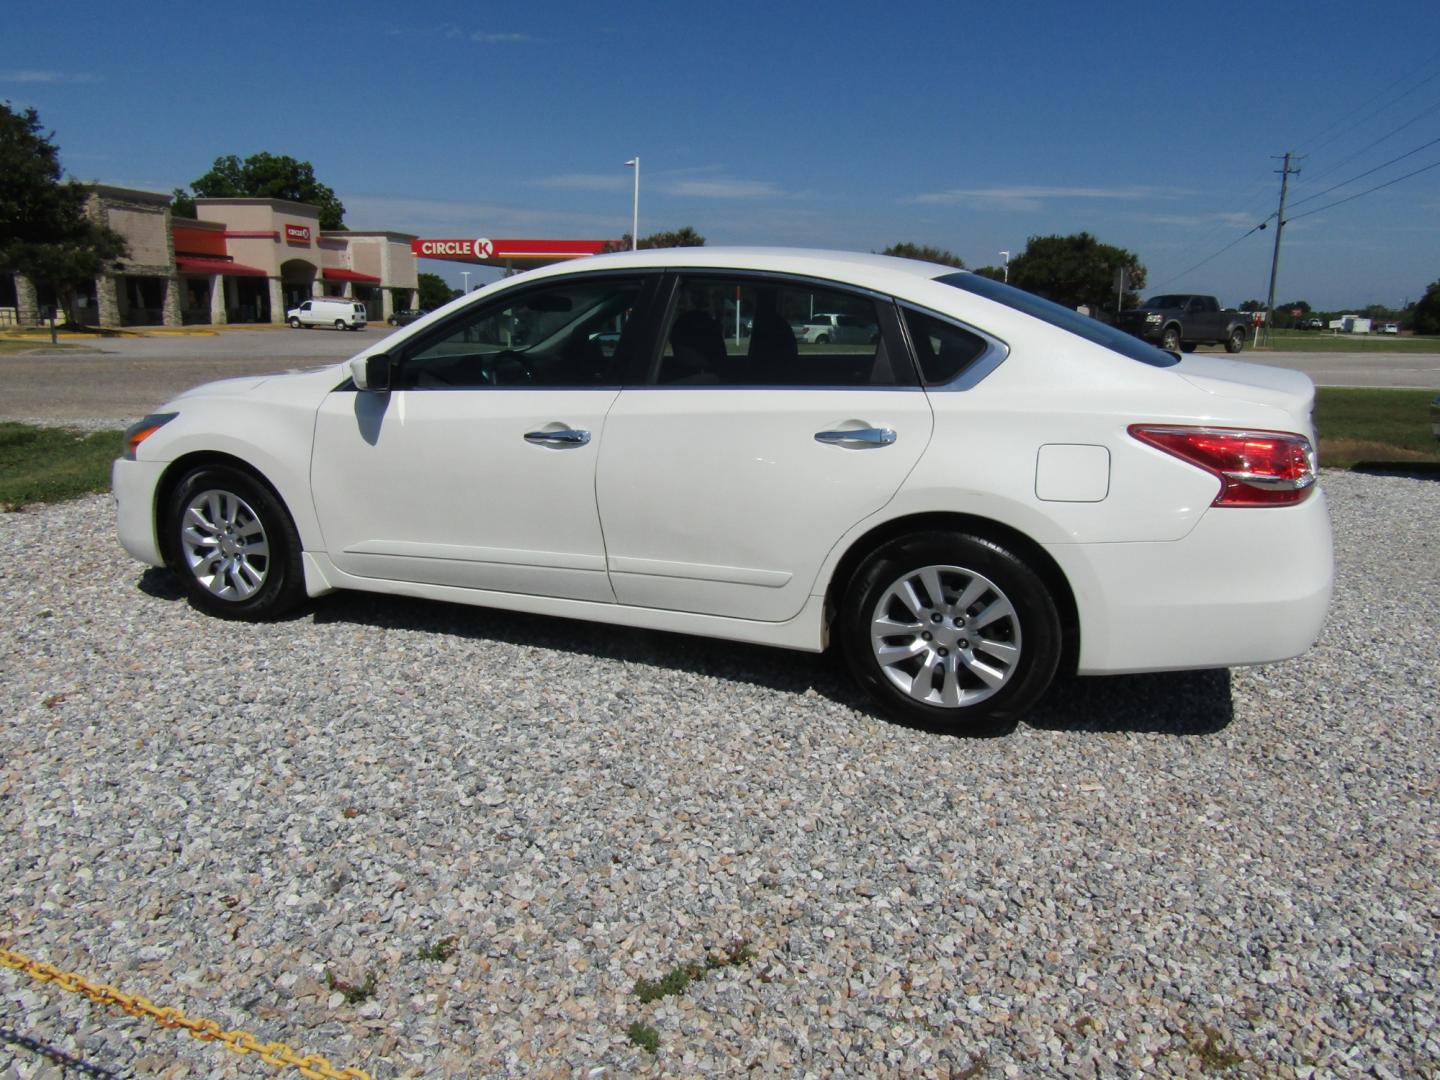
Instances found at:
x=1285 y=172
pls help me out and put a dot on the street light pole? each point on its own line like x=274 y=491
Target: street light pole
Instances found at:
x=466 y=275
x=1007 y=266
x=635 y=210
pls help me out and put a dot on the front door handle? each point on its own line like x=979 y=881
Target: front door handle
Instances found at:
x=859 y=437
x=562 y=437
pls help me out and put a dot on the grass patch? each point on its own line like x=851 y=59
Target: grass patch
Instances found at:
x=1325 y=341
x=677 y=979
x=440 y=950
x=643 y=1036
x=1373 y=426
x=7 y=346
x=53 y=464
x=352 y=993
x=1215 y=1055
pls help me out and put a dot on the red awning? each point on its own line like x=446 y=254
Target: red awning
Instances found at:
x=194 y=264
x=334 y=274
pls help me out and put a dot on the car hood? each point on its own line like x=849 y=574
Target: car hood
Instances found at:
x=242 y=385
x=1280 y=387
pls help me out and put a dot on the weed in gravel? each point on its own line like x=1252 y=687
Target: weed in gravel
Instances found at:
x=438 y=950
x=1214 y=1053
x=352 y=994
x=679 y=978
x=643 y=1036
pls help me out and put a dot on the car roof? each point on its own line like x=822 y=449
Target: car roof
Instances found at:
x=860 y=267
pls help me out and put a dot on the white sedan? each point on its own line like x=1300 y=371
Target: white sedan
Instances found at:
x=993 y=490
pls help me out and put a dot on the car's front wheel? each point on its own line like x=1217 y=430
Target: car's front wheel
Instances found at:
x=339 y=324
x=295 y=323
x=1170 y=339
x=232 y=545
x=950 y=631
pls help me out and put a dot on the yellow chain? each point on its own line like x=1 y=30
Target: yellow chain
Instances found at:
x=311 y=1066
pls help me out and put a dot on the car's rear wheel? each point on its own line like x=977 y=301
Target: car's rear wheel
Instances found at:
x=233 y=545
x=295 y=323
x=1187 y=346
x=950 y=631
x=1236 y=341
x=1170 y=339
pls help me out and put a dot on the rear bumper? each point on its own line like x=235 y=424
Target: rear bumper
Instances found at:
x=1245 y=586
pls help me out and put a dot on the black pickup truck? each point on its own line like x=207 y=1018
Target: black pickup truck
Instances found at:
x=1179 y=321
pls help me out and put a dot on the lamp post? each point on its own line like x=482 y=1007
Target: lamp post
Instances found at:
x=635 y=209
x=1007 y=265
x=466 y=275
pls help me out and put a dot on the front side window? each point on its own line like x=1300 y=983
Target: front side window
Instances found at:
x=759 y=331
x=566 y=334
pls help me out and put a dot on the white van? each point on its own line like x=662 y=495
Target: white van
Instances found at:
x=336 y=311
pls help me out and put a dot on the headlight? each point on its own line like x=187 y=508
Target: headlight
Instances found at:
x=1154 y=318
x=141 y=430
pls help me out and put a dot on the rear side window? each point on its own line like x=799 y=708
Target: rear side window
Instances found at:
x=766 y=331
x=1080 y=325
x=943 y=349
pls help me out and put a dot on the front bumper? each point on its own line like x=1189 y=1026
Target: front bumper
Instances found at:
x=1246 y=586
x=133 y=484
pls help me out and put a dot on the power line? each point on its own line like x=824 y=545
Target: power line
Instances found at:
x=1413 y=71
x=1367 y=191
x=1393 y=131
x=1367 y=172
x=1210 y=258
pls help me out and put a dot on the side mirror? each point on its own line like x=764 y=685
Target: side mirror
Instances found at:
x=371 y=372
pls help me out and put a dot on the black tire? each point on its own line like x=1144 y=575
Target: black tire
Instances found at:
x=295 y=323
x=1170 y=339
x=1020 y=651
x=1236 y=341
x=217 y=520
x=823 y=339
x=1187 y=346
x=339 y=324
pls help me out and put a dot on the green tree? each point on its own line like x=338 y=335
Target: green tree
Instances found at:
x=45 y=232
x=685 y=236
x=263 y=176
x=434 y=292
x=1075 y=270
x=925 y=253
x=1426 y=312
x=994 y=273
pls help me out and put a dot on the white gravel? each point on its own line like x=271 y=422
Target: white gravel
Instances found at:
x=1157 y=875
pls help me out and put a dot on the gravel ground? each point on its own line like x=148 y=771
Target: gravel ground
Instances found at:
x=1183 y=874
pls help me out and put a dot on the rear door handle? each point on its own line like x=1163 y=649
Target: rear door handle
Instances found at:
x=562 y=437
x=859 y=437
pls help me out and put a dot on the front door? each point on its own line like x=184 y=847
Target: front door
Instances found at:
x=478 y=469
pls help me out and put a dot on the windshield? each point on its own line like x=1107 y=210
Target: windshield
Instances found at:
x=1080 y=325
x=1166 y=302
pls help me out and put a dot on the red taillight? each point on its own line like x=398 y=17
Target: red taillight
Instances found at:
x=1255 y=468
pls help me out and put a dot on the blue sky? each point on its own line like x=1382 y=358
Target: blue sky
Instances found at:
x=844 y=125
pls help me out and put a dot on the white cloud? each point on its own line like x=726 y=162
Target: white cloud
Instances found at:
x=445 y=217
x=723 y=189
x=586 y=182
x=32 y=76
x=1032 y=196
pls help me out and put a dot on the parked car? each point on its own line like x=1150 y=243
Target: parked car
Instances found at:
x=1391 y=328
x=995 y=490
x=405 y=316
x=1181 y=321
x=1314 y=322
x=823 y=329
x=338 y=312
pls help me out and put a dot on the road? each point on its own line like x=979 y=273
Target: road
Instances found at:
x=122 y=379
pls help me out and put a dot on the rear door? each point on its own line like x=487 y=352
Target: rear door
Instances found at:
x=725 y=479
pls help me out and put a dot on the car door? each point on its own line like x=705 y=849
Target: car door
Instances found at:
x=477 y=469
x=727 y=477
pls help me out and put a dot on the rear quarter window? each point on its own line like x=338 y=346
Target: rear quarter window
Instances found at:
x=1081 y=326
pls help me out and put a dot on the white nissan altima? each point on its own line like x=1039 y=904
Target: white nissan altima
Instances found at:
x=992 y=490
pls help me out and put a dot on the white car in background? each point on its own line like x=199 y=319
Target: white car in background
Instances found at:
x=993 y=490
x=825 y=328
